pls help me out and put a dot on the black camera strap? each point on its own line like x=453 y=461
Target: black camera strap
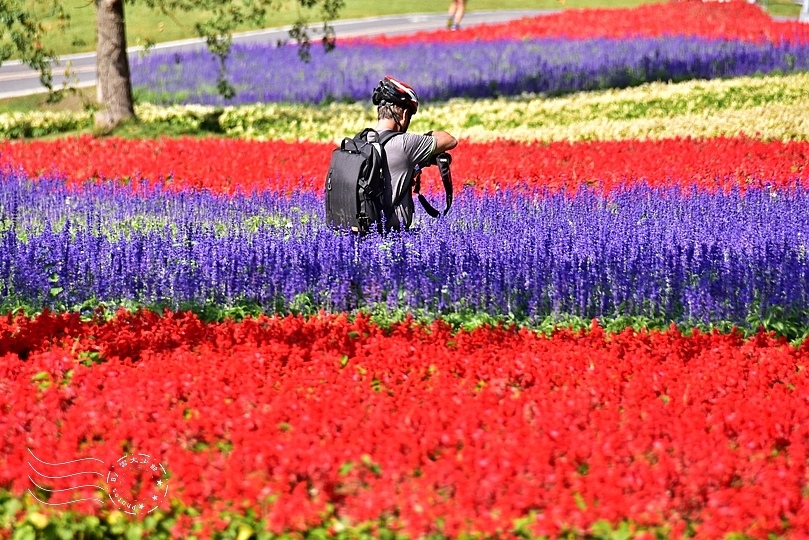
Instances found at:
x=443 y=162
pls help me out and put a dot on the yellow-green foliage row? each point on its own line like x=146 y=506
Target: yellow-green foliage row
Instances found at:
x=773 y=107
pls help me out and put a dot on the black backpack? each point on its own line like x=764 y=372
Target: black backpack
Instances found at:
x=355 y=182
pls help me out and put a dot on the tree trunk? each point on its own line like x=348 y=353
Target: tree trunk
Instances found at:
x=114 y=84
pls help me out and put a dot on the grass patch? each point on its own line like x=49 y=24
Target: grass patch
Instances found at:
x=85 y=99
x=76 y=100
x=782 y=8
x=135 y=129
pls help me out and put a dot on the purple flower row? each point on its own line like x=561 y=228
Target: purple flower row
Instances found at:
x=688 y=258
x=266 y=73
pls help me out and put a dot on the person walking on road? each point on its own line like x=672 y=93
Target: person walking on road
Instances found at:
x=457 y=8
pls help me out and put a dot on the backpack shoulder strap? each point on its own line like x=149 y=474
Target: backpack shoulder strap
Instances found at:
x=388 y=136
x=364 y=134
x=377 y=138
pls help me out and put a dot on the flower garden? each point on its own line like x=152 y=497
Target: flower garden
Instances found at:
x=604 y=338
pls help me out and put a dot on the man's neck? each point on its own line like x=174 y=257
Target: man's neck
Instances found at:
x=387 y=125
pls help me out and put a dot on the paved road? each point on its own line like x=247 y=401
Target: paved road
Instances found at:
x=17 y=79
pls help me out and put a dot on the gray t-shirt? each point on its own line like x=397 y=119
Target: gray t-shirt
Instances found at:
x=403 y=152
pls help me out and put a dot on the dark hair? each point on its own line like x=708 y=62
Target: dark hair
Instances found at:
x=390 y=112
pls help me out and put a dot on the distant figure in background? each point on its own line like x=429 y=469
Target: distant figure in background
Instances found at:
x=457 y=8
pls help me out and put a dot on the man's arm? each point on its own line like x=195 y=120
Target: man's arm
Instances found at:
x=443 y=142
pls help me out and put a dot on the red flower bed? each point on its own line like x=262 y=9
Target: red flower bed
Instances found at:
x=218 y=164
x=418 y=425
x=225 y=165
x=712 y=20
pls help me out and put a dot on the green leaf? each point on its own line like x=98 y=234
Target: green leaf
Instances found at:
x=26 y=532
x=134 y=532
x=10 y=509
x=371 y=466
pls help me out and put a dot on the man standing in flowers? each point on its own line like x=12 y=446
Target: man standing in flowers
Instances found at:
x=396 y=104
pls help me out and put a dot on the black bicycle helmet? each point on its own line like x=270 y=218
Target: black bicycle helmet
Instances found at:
x=393 y=92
